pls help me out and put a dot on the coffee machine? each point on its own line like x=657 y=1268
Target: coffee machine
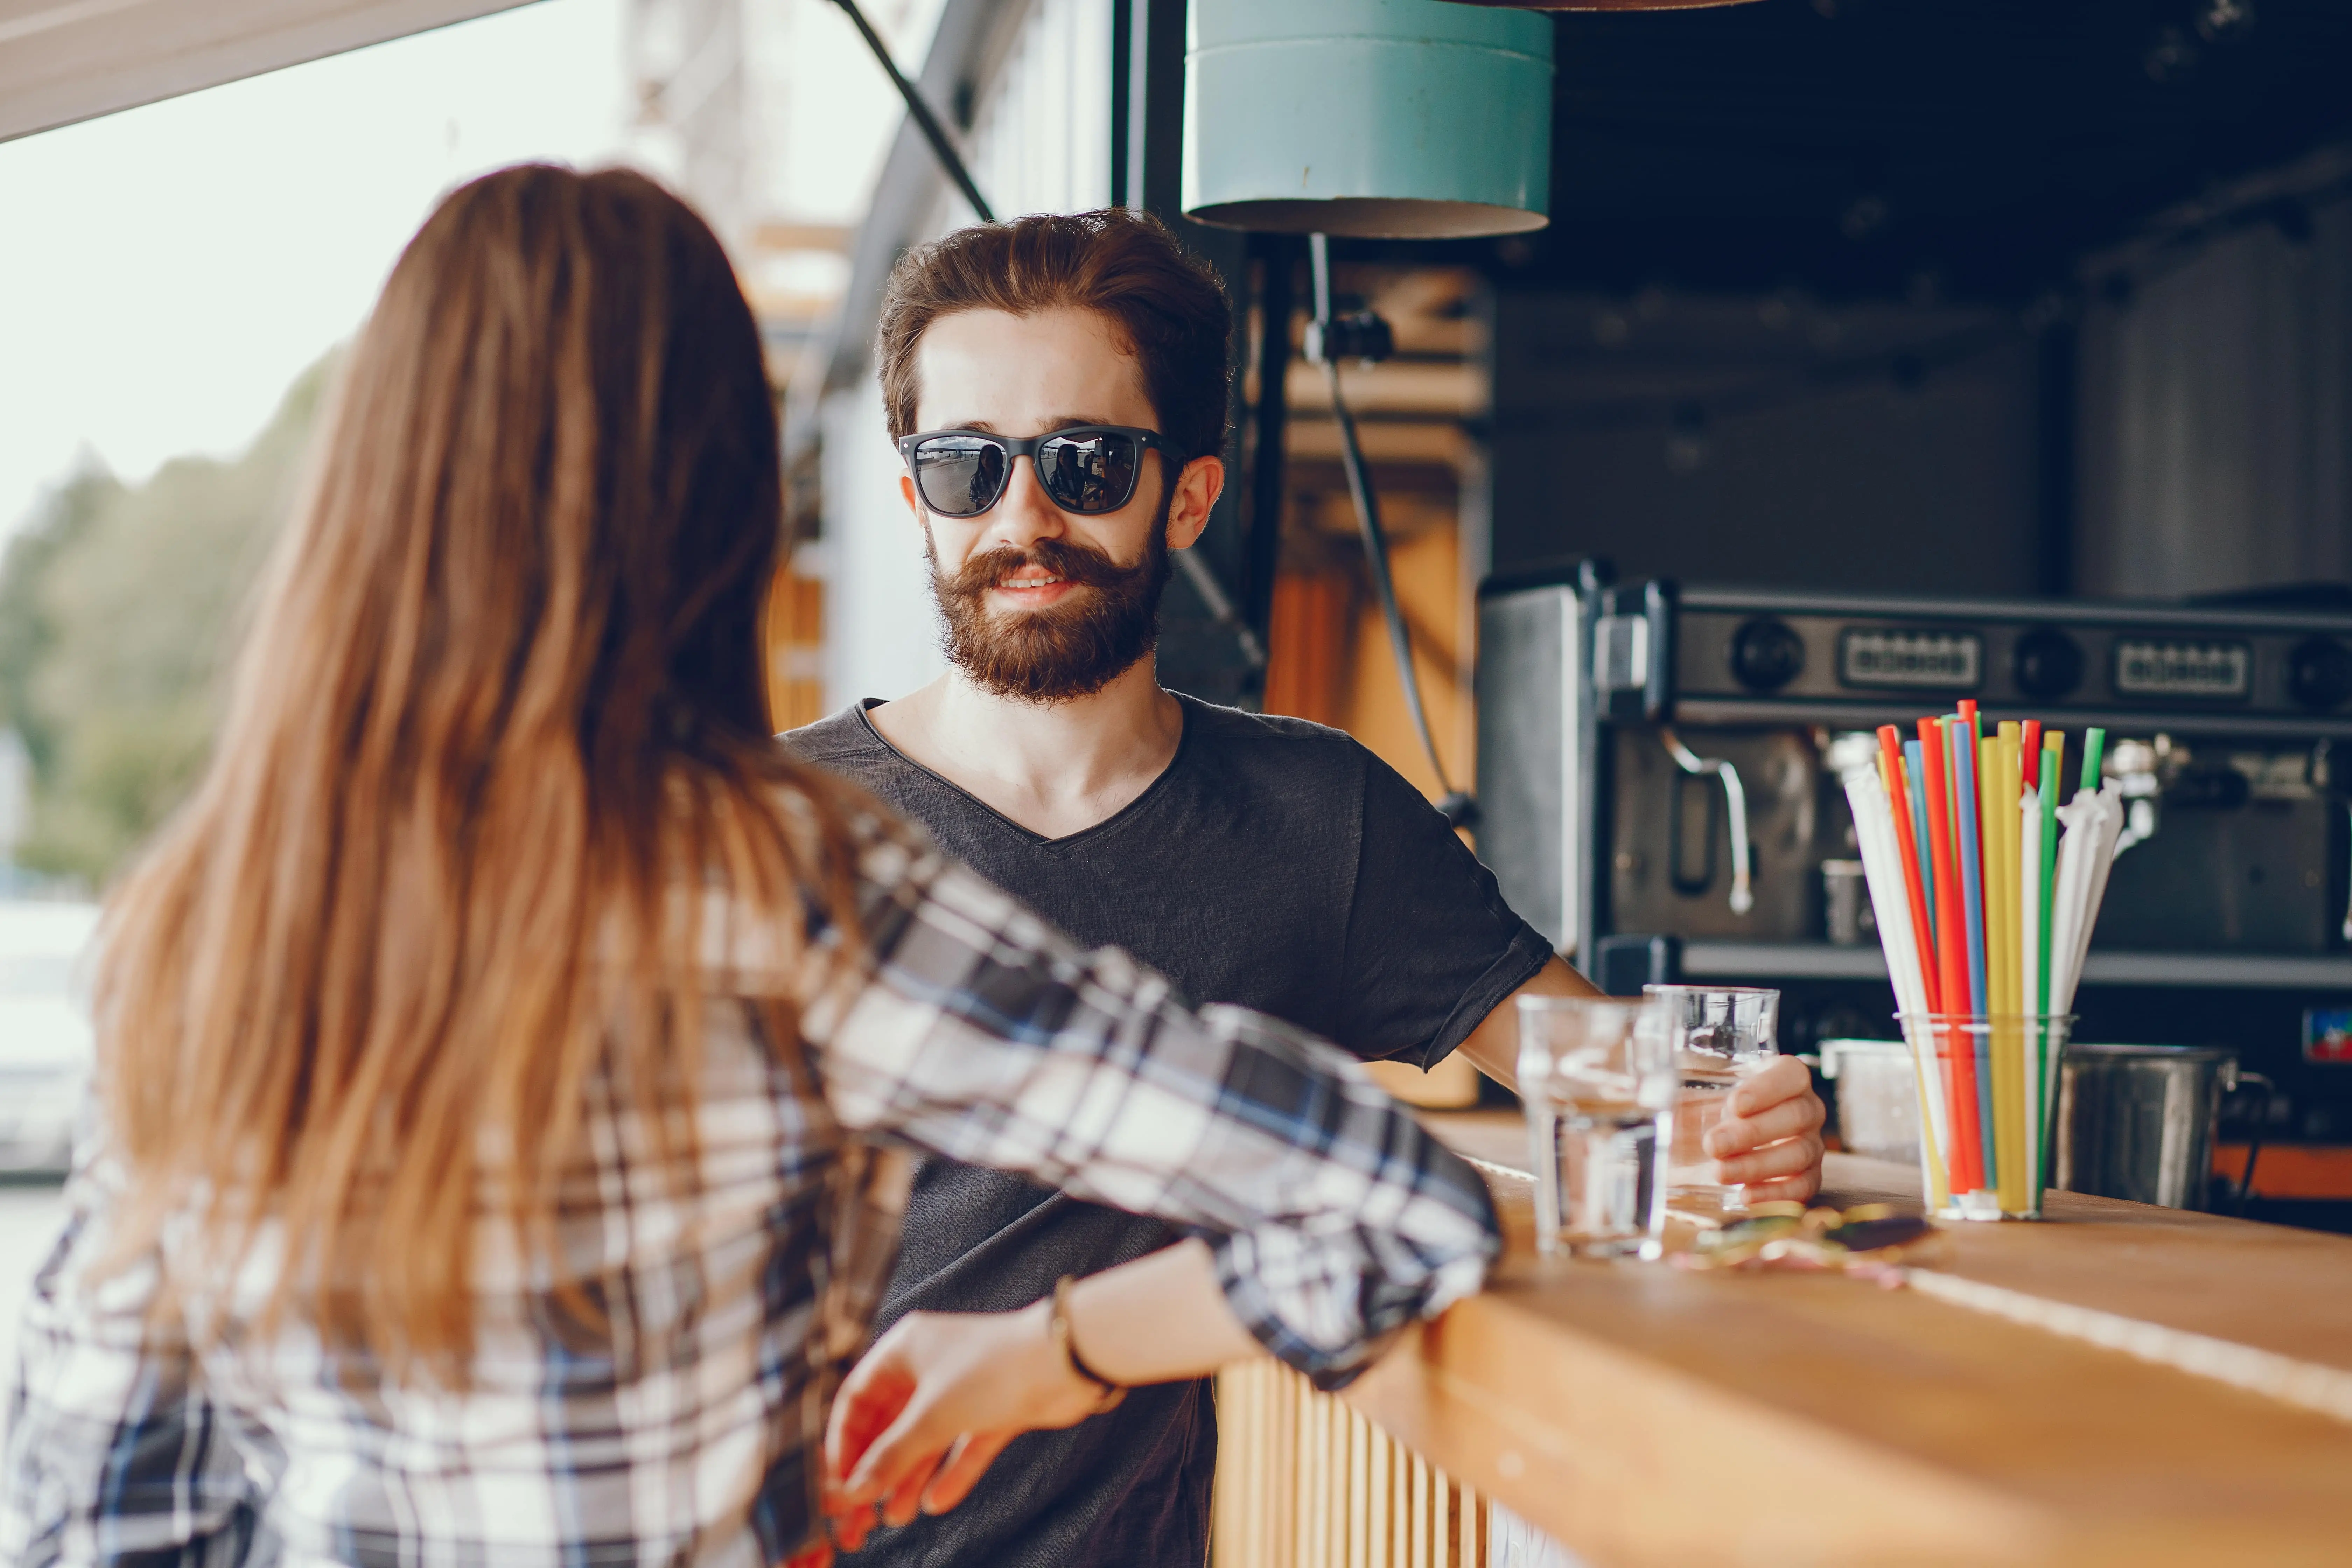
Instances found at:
x=1658 y=779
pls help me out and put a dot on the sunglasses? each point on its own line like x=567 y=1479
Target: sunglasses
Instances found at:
x=1087 y=468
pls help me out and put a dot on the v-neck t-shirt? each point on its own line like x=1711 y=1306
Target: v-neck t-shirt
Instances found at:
x=1274 y=864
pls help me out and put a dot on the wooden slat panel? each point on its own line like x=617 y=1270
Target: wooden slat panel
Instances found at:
x=1306 y=1481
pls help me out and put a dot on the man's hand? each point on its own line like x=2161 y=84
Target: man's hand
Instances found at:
x=926 y=1411
x=1769 y=1140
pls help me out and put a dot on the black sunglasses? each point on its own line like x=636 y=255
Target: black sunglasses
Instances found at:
x=1086 y=468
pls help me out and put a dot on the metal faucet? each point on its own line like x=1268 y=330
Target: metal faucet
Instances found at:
x=1735 y=796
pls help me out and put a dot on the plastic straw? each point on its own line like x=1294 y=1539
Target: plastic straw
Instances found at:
x=1893 y=898
x=2004 y=774
x=2094 y=750
x=2029 y=915
x=1952 y=950
x=1915 y=793
x=1899 y=820
x=1997 y=811
x=1968 y=849
x=2054 y=745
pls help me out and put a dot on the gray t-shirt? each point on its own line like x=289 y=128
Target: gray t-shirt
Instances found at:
x=1275 y=863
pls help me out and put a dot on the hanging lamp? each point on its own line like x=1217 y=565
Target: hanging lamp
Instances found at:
x=1605 y=4
x=1368 y=119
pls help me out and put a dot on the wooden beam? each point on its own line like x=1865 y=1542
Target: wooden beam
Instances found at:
x=64 y=61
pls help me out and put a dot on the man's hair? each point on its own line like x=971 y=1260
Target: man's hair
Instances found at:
x=1167 y=304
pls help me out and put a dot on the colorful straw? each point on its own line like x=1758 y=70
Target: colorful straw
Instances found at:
x=1899 y=814
x=1986 y=886
x=1968 y=849
x=2053 y=745
x=1951 y=953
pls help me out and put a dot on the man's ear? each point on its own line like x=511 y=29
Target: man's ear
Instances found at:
x=907 y=493
x=1198 y=485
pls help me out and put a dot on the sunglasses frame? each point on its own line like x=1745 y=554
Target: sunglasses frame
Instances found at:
x=1016 y=446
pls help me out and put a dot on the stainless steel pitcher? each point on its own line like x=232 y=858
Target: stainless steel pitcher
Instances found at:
x=2136 y=1121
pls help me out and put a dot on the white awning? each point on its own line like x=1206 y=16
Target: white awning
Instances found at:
x=63 y=60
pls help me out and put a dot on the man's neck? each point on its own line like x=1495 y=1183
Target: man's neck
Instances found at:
x=1056 y=769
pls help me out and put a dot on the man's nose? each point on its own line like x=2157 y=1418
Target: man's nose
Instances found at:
x=1024 y=512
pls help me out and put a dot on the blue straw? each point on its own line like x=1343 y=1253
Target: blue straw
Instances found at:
x=1915 y=770
x=1964 y=785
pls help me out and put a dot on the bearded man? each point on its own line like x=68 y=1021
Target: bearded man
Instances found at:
x=1057 y=387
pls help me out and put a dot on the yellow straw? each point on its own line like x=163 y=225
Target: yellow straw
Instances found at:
x=1989 y=829
x=2009 y=1043
x=1998 y=907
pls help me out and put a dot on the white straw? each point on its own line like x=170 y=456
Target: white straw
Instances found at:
x=2094 y=825
x=2066 y=899
x=1890 y=900
x=2110 y=802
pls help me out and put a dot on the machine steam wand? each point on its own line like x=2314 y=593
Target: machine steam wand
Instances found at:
x=1735 y=796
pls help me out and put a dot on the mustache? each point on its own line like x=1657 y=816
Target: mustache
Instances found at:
x=1073 y=563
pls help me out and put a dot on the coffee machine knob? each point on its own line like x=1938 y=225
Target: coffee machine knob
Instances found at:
x=2049 y=664
x=2320 y=673
x=1766 y=655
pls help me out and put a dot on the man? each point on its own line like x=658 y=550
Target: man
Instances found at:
x=1058 y=389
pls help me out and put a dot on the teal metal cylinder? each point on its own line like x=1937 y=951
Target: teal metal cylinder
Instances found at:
x=1389 y=119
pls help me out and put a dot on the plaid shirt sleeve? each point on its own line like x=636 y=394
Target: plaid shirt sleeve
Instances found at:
x=114 y=1452
x=972 y=1028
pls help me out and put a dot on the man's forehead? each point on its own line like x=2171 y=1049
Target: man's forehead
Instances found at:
x=1050 y=367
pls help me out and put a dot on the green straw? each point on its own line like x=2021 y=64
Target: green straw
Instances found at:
x=2054 y=747
x=2094 y=747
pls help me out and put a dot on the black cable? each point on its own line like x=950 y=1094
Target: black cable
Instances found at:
x=1457 y=805
x=924 y=121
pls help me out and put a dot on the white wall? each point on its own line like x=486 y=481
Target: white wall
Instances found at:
x=882 y=629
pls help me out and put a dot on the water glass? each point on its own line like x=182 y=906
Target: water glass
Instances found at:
x=1597 y=1077
x=1722 y=1035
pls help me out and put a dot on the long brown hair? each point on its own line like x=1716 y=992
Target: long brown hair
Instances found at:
x=502 y=694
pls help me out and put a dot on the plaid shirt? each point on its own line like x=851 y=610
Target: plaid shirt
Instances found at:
x=687 y=1433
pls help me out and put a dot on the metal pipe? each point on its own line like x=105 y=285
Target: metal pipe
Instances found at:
x=924 y=121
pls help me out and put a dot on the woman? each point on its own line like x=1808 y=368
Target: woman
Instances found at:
x=483 y=1048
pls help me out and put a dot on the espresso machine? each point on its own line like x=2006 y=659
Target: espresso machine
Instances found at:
x=1658 y=779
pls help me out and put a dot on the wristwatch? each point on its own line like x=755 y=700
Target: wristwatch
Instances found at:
x=1057 y=1328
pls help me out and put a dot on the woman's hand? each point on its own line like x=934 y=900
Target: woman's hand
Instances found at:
x=1769 y=1139
x=927 y=1410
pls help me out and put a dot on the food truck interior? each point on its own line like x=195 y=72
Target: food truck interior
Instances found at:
x=2028 y=309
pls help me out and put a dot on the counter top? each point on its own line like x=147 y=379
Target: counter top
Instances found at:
x=1647 y=1415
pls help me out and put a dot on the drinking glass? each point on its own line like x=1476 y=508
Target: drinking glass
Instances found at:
x=1722 y=1035
x=1597 y=1077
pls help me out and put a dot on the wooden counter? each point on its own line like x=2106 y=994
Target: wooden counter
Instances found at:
x=1645 y=1415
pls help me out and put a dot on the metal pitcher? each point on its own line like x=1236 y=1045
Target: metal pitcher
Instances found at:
x=2136 y=1121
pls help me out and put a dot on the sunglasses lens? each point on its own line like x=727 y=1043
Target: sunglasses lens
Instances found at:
x=960 y=476
x=1090 y=473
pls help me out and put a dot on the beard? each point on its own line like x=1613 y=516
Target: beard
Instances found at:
x=1063 y=651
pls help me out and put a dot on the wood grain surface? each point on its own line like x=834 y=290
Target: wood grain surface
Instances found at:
x=1645 y=1415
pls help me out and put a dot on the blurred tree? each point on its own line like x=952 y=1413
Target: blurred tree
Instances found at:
x=119 y=611
x=27 y=629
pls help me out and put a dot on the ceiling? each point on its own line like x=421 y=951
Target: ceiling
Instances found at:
x=1962 y=147
x=63 y=60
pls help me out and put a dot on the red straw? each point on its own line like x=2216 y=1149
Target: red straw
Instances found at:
x=1890 y=755
x=2030 y=753
x=1952 y=952
x=1976 y=726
